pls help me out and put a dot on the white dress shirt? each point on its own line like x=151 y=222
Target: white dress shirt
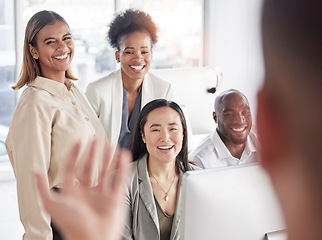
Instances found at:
x=48 y=120
x=212 y=152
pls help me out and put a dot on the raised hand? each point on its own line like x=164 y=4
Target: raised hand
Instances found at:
x=81 y=212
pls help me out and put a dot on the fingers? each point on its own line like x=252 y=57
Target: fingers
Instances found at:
x=87 y=171
x=69 y=169
x=125 y=158
x=109 y=169
x=108 y=152
x=113 y=164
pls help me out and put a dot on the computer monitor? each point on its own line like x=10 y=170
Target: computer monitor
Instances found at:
x=230 y=203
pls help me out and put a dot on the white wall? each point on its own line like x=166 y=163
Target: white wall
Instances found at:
x=233 y=44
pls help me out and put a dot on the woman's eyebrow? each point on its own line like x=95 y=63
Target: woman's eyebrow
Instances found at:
x=155 y=125
x=46 y=39
x=128 y=48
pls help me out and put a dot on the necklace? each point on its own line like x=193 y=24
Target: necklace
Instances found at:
x=166 y=197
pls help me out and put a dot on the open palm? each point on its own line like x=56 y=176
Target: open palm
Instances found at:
x=82 y=212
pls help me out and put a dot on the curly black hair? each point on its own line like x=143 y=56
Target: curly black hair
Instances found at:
x=128 y=22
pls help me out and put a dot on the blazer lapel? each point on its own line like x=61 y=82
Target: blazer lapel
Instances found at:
x=175 y=231
x=117 y=99
x=146 y=192
x=147 y=90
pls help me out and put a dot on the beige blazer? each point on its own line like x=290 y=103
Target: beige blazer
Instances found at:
x=48 y=120
x=106 y=98
x=142 y=221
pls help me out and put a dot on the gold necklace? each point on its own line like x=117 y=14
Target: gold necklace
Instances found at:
x=166 y=197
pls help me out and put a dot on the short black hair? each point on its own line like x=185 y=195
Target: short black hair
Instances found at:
x=220 y=98
x=128 y=22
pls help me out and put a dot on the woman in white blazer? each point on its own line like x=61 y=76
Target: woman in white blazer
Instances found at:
x=159 y=151
x=118 y=98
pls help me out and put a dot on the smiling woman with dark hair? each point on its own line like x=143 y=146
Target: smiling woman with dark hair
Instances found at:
x=160 y=158
x=118 y=98
x=128 y=22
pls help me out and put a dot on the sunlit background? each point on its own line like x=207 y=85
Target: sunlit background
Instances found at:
x=193 y=33
x=180 y=37
x=220 y=33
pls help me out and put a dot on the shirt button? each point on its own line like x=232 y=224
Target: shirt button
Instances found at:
x=86 y=118
x=73 y=102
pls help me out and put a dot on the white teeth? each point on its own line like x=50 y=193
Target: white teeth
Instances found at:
x=62 y=57
x=238 y=129
x=165 y=147
x=137 y=67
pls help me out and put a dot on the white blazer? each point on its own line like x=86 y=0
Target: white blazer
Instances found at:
x=106 y=98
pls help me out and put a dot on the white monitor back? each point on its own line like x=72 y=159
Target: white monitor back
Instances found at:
x=231 y=203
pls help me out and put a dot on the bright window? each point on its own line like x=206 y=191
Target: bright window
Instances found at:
x=7 y=61
x=181 y=30
x=180 y=37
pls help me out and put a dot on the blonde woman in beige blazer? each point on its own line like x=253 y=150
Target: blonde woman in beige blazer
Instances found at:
x=118 y=98
x=50 y=117
x=159 y=150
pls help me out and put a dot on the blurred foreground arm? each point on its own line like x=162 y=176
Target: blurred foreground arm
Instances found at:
x=81 y=212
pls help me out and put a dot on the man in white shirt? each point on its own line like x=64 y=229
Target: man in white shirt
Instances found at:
x=232 y=143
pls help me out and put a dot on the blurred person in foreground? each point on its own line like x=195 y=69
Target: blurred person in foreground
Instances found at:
x=289 y=111
x=232 y=143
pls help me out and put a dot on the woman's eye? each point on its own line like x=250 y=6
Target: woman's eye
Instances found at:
x=67 y=38
x=50 y=42
x=129 y=52
x=145 y=52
